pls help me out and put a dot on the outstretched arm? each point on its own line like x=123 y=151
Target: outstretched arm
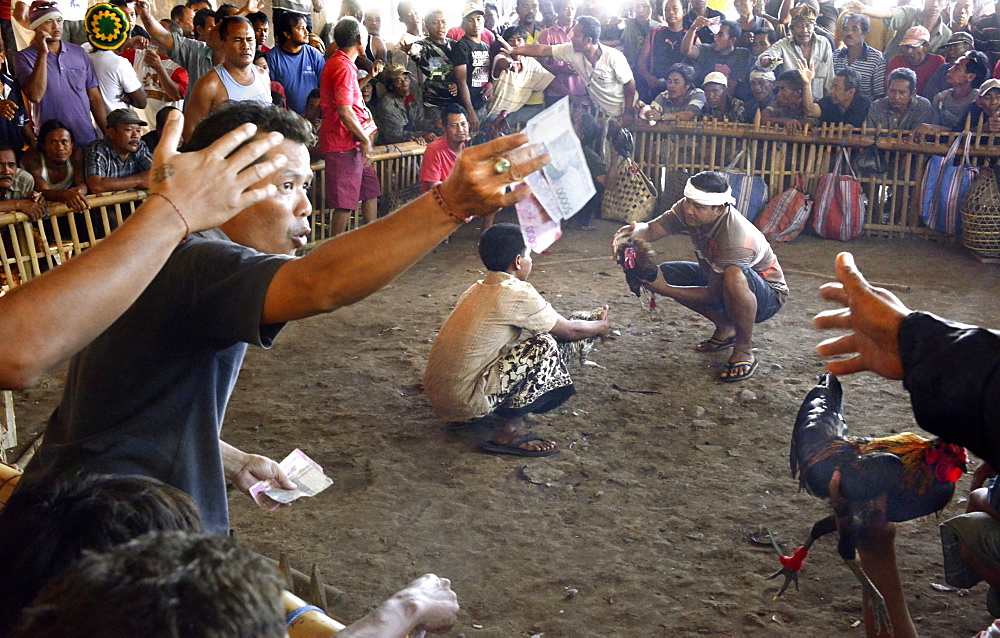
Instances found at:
x=533 y=50
x=103 y=282
x=353 y=265
x=577 y=329
x=426 y=604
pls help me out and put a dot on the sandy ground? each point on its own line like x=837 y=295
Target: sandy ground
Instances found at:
x=639 y=526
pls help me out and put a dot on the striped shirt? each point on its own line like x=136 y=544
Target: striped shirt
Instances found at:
x=870 y=65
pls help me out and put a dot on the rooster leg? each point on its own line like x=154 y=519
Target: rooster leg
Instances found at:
x=874 y=596
x=790 y=565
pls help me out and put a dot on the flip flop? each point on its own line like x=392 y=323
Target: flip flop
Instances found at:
x=512 y=448
x=714 y=345
x=730 y=378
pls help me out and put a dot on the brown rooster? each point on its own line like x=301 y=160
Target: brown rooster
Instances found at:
x=892 y=479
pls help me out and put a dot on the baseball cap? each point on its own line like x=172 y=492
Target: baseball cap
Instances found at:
x=989 y=85
x=915 y=36
x=473 y=7
x=394 y=72
x=959 y=37
x=717 y=78
x=124 y=116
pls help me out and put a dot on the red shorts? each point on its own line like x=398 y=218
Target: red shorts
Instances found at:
x=348 y=180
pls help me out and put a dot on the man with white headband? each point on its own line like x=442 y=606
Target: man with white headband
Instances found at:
x=736 y=282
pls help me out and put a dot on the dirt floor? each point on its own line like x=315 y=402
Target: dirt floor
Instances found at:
x=639 y=527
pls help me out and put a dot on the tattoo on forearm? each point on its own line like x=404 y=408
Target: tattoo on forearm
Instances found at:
x=162 y=173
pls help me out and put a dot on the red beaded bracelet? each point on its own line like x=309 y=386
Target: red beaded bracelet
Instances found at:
x=436 y=191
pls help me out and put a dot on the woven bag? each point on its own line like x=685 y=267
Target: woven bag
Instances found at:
x=632 y=197
x=981 y=215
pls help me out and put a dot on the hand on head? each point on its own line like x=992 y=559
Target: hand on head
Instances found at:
x=873 y=315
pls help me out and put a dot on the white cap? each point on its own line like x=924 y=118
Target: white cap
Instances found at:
x=717 y=78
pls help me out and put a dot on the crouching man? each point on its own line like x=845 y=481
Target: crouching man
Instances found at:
x=737 y=281
x=477 y=365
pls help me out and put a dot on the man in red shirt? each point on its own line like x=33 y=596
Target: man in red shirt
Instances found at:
x=916 y=55
x=440 y=156
x=345 y=135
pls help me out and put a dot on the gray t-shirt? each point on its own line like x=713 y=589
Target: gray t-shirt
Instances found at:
x=194 y=56
x=148 y=396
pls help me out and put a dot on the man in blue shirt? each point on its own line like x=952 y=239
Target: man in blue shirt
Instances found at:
x=293 y=63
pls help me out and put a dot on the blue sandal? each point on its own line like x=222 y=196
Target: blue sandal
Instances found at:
x=731 y=378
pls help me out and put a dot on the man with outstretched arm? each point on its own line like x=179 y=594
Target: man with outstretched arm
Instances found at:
x=737 y=281
x=149 y=395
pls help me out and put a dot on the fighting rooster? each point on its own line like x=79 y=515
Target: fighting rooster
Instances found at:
x=636 y=259
x=891 y=479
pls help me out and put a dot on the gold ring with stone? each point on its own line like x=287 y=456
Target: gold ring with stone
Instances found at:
x=502 y=166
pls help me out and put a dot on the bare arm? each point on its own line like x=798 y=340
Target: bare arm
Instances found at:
x=687 y=44
x=103 y=282
x=156 y=31
x=137 y=98
x=630 y=107
x=199 y=103
x=576 y=329
x=533 y=50
x=350 y=120
x=169 y=86
x=809 y=106
x=20 y=14
x=353 y=265
x=427 y=603
x=98 y=109
x=35 y=85
x=645 y=63
x=97 y=184
x=872 y=12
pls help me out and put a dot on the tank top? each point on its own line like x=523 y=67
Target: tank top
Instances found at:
x=368 y=50
x=61 y=186
x=258 y=89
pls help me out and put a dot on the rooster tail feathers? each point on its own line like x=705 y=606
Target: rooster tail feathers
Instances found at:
x=819 y=419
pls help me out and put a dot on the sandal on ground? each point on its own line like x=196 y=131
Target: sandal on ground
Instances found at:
x=514 y=447
x=728 y=376
x=714 y=345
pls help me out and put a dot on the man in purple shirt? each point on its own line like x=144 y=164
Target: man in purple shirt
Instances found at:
x=62 y=82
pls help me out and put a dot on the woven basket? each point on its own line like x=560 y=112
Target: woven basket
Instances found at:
x=981 y=216
x=631 y=198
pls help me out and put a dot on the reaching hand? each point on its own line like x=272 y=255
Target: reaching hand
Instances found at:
x=435 y=603
x=190 y=181
x=258 y=468
x=635 y=230
x=699 y=22
x=476 y=188
x=7 y=109
x=873 y=314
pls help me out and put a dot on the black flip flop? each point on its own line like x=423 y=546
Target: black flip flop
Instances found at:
x=512 y=448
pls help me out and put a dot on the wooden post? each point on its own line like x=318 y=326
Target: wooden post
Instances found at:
x=8 y=429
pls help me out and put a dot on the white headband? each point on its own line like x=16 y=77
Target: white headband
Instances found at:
x=699 y=196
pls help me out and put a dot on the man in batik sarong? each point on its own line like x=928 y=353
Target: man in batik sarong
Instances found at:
x=478 y=364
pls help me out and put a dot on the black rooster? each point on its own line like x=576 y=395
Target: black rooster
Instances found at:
x=891 y=479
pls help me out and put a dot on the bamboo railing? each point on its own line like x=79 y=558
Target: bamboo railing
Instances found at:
x=894 y=198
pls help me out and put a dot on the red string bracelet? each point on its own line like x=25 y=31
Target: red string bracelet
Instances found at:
x=436 y=191
x=187 y=227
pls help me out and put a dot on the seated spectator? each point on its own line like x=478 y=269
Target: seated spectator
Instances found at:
x=901 y=109
x=719 y=105
x=400 y=117
x=903 y=18
x=762 y=85
x=45 y=528
x=952 y=105
x=57 y=166
x=789 y=106
x=802 y=44
x=958 y=45
x=588 y=130
x=858 y=55
x=661 y=50
x=985 y=111
x=152 y=139
x=17 y=188
x=682 y=101
x=15 y=125
x=478 y=366
x=121 y=160
x=516 y=77
x=313 y=111
x=916 y=56
x=721 y=55
x=441 y=154
x=846 y=104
